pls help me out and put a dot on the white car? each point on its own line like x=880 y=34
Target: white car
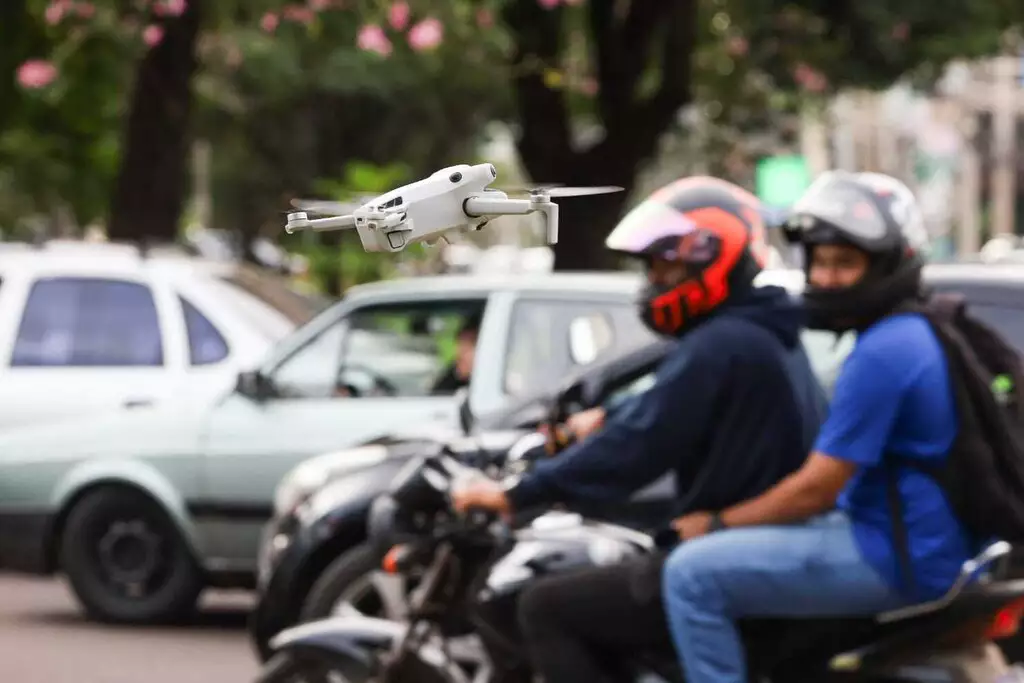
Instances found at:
x=96 y=326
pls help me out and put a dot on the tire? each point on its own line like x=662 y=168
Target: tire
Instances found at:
x=342 y=576
x=284 y=667
x=164 y=582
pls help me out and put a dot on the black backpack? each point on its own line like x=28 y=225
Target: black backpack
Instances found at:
x=983 y=476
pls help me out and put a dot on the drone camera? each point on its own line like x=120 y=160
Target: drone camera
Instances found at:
x=455 y=177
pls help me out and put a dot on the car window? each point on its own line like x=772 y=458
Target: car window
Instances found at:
x=206 y=345
x=414 y=350
x=550 y=339
x=83 y=322
x=311 y=371
x=381 y=351
x=276 y=293
x=1006 y=320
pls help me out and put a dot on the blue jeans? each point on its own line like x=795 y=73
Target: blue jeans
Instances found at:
x=806 y=570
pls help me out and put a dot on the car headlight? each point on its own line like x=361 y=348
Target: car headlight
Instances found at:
x=301 y=482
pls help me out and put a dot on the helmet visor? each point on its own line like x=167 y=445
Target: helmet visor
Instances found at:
x=650 y=229
x=845 y=207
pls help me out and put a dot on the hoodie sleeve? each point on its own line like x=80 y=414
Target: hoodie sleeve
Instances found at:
x=647 y=436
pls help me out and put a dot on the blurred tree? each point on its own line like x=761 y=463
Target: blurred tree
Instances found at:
x=644 y=61
x=152 y=180
x=57 y=134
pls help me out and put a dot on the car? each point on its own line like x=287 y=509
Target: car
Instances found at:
x=86 y=328
x=314 y=562
x=142 y=509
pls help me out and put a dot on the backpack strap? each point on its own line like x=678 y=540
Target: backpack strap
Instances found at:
x=900 y=539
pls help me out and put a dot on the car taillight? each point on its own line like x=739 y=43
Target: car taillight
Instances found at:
x=1006 y=621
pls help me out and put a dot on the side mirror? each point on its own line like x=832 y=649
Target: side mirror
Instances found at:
x=465 y=413
x=253 y=384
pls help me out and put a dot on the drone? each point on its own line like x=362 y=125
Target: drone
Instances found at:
x=456 y=198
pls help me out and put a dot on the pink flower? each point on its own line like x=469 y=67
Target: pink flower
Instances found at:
x=398 y=15
x=55 y=12
x=809 y=78
x=372 y=39
x=170 y=8
x=269 y=22
x=85 y=9
x=426 y=35
x=303 y=15
x=36 y=73
x=484 y=18
x=152 y=35
x=548 y=4
x=737 y=46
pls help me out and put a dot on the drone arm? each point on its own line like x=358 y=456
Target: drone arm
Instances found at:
x=476 y=206
x=300 y=222
x=332 y=223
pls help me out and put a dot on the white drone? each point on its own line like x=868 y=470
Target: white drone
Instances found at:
x=454 y=198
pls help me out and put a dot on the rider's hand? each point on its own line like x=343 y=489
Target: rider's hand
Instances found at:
x=485 y=494
x=585 y=423
x=693 y=525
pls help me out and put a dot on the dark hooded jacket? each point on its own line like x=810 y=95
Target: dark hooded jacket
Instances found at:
x=734 y=409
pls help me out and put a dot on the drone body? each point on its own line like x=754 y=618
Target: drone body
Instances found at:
x=454 y=198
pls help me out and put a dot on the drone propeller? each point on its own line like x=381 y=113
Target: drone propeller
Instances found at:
x=326 y=207
x=561 y=191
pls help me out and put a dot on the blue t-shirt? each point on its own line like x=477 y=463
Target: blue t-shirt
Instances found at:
x=894 y=396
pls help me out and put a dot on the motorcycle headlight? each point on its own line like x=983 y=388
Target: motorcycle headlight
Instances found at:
x=305 y=479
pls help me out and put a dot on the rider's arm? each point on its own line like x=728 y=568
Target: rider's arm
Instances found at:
x=649 y=435
x=867 y=399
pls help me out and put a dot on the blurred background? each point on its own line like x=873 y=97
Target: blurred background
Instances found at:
x=181 y=130
x=196 y=121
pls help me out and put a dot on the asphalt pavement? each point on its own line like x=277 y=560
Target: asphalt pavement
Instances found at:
x=45 y=639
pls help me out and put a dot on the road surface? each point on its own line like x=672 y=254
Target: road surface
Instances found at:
x=44 y=639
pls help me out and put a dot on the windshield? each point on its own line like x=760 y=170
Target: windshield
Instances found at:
x=267 y=301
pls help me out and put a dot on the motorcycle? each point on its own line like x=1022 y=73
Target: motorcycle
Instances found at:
x=469 y=570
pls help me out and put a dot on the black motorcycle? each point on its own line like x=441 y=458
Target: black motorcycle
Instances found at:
x=470 y=569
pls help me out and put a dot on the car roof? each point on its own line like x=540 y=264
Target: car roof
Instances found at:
x=109 y=257
x=171 y=263
x=612 y=282
x=1002 y=275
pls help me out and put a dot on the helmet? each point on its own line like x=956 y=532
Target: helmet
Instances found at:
x=877 y=214
x=713 y=227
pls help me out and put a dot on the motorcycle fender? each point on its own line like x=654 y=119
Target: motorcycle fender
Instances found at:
x=356 y=638
x=346 y=634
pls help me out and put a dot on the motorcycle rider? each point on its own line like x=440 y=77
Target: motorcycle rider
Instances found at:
x=862 y=234
x=732 y=410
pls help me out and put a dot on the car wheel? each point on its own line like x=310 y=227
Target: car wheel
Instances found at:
x=355 y=584
x=126 y=561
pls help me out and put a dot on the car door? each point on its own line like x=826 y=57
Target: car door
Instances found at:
x=363 y=375
x=80 y=343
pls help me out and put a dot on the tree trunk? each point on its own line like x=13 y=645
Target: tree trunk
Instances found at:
x=151 y=185
x=624 y=49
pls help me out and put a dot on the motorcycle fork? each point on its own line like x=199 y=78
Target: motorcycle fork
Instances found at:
x=420 y=600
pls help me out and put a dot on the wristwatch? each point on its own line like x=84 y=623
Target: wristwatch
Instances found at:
x=716 y=523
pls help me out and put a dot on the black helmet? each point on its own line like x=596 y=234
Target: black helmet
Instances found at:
x=877 y=214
